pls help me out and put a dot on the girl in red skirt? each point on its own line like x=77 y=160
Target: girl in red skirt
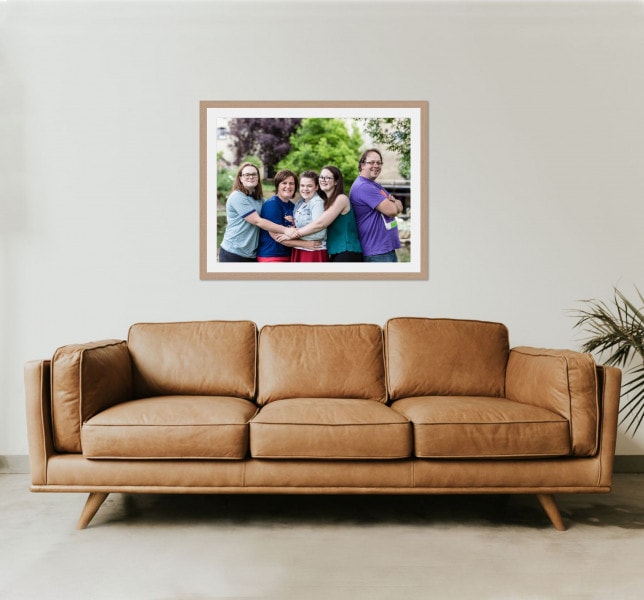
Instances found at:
x=309 y=208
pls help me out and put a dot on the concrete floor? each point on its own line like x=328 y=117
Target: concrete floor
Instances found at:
x=204 y=547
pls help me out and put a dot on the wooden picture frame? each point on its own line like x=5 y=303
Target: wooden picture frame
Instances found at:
x=217 y=161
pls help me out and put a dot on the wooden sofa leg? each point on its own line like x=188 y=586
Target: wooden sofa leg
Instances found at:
x=549 y=505
x=94 y=502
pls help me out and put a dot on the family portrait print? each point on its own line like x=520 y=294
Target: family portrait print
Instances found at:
x=325 y=190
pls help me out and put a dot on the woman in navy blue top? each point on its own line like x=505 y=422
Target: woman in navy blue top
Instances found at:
x=279 y=209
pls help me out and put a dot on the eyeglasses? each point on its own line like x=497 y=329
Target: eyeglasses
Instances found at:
x=374 y=163
x=249 y=175
x=326 y=178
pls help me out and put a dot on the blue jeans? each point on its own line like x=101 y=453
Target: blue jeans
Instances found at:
x=386 y=257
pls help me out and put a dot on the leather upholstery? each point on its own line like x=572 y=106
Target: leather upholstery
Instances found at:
x=218 y=390
x=321 y=361
x=562 y=381
x=170 y=427
x=521 y=421
x=214 y=358
x=329 y=428
x=445 y=357
x=483 y=427
x=85 y=379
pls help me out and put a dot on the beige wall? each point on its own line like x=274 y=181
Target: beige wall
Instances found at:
x=536 y=145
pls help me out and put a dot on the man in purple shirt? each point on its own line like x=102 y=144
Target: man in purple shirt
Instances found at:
x=375 y=209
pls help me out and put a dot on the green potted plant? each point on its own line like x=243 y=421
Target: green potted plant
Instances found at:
x=616 y=332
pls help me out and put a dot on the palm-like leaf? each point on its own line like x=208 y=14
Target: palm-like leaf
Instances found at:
x=634 y=408
x=617 y=333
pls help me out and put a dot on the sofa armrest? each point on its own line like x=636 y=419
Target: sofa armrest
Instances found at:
x=86 y=379
x=563 y=381
x=38 y=412
x=610 y=384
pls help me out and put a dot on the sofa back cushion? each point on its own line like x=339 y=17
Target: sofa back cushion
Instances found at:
x=321 y=361
x=445 y=357
x=207 y=358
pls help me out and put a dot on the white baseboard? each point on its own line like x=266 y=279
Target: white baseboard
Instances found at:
x=18 y=463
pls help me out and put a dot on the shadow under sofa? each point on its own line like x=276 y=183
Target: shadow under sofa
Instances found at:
x=419 y=406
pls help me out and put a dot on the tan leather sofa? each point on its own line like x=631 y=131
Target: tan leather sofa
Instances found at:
x=419 y=406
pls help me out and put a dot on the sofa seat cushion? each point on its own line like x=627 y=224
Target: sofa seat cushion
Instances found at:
x=483 y=427
x=170 y=427
x=329 y=428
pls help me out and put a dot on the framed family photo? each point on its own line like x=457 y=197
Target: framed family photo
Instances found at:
x=314 y=190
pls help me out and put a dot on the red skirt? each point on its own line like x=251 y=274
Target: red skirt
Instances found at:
x=309 y=256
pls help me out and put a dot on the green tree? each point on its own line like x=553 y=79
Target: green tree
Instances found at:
x=253 y=160
x=225 y=178
x=395 y=135
x=318 y=142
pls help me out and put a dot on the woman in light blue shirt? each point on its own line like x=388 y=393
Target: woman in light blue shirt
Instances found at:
x=243 y=218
